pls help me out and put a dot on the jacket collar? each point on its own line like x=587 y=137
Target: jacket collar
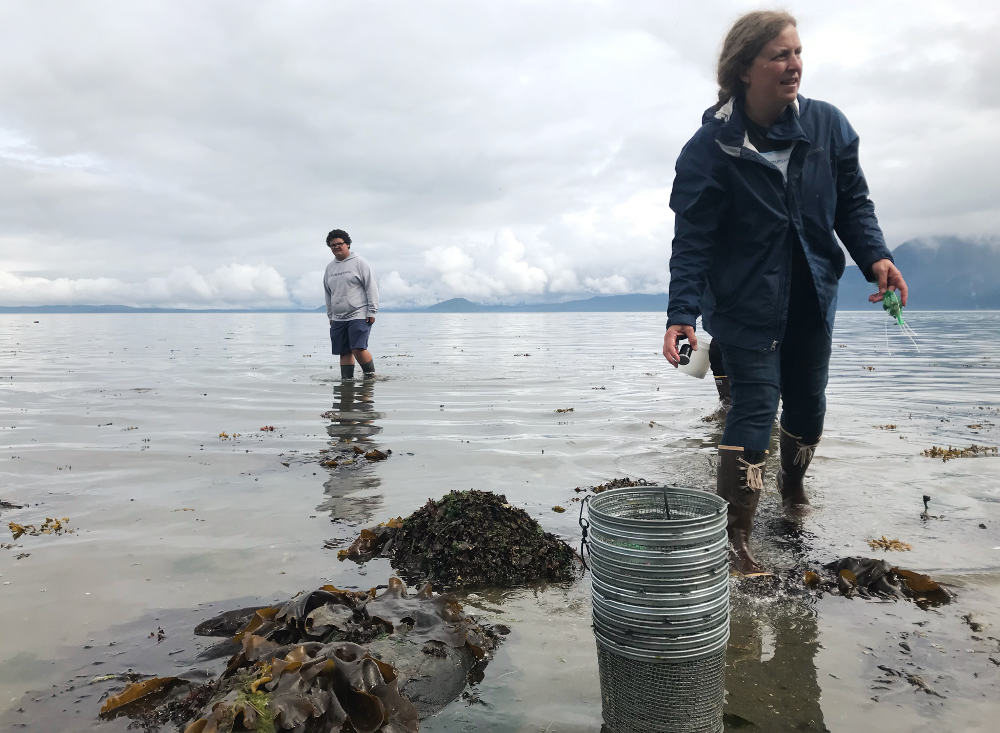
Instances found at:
x=732 y=136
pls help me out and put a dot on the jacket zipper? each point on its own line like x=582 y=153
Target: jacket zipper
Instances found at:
x=760 y=159
x=786 y=280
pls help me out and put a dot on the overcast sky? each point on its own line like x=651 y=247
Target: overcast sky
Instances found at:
x=192 y=153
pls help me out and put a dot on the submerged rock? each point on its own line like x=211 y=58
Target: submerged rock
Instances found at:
x=228 y=623
x=468 y=537
x=326 y=661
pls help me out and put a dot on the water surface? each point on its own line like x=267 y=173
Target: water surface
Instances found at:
x=114 y=421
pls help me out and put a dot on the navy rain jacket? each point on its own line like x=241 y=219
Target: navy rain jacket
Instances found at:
x=736 y=217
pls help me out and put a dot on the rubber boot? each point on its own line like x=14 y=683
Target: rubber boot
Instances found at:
x=725 y=401
x=739 y=481
x=795 y=459
x=368 y=368
x=722 y=384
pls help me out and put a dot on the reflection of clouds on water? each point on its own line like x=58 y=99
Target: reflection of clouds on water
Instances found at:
x=770 y=667
x=349 y=492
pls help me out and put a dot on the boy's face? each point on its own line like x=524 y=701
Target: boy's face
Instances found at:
x=339 y=249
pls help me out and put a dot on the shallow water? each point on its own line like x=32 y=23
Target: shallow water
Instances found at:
x=113 y=420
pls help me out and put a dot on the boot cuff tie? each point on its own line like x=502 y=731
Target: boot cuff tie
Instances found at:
x=804 y=454
x=755 y=474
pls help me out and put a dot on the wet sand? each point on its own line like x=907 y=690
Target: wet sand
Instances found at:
x=173 y=524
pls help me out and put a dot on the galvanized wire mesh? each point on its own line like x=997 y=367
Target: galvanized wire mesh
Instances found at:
x=652 y=518
x=651 y=697
x=660 y=576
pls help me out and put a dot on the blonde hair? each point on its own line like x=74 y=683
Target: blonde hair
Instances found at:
x=744 y=42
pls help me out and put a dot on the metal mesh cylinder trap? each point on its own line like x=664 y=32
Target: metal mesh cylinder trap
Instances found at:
x=660 y=572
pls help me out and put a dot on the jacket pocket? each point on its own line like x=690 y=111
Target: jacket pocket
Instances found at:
x=749 y=294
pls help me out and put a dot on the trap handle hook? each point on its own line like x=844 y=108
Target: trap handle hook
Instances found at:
x=584 y=526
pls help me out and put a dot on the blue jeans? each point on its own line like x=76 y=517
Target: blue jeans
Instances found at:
x=797 y=372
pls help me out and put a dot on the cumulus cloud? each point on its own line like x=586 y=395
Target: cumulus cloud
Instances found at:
x=394 y=290
x=516 y=275
x=521 y=152
x=613 y=285
x=491 y=272
x=308 y=289
x=232 y=285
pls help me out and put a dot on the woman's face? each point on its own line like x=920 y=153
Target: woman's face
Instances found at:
x=776 y=73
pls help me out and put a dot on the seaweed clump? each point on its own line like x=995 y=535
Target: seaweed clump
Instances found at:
x=621 y=483
x=298 y=666
x=873 y=578
x=946 y=454
x=476 y=537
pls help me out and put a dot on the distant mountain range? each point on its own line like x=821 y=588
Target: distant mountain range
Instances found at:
x=942 y=274
x=598 y=304
x=945 y=273
x=605 y=304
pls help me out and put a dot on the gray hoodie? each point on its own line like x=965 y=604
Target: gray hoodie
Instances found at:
x=351 y=292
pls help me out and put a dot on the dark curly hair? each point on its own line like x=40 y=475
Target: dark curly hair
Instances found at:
x=339 y=234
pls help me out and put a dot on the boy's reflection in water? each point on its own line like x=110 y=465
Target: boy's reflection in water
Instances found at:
x=354 y=403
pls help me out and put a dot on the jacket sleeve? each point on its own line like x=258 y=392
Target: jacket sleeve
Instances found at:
x=698 y=200
x=326 y=294
x=855 y=221
x=371 y=290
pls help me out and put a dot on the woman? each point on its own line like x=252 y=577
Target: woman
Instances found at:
x=760 y=192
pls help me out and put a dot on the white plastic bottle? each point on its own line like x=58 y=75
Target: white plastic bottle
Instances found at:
x=694 y=363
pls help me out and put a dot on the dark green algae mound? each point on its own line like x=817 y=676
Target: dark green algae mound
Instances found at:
x=477 y=538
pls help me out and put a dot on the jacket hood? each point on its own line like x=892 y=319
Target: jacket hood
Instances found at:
x=726 y=110
x=710 y=113
x=732 y=133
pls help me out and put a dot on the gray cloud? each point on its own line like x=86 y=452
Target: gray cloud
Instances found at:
x=183 y=153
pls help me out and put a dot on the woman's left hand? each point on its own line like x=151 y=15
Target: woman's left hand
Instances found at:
x=889 y=278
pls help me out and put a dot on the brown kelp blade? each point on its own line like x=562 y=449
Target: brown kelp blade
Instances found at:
x=923 y=588
x=364 y=710
x=262 y=615
x=136 y=691
x=399 y=711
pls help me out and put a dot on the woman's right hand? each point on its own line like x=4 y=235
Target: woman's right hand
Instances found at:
x=674 y=334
